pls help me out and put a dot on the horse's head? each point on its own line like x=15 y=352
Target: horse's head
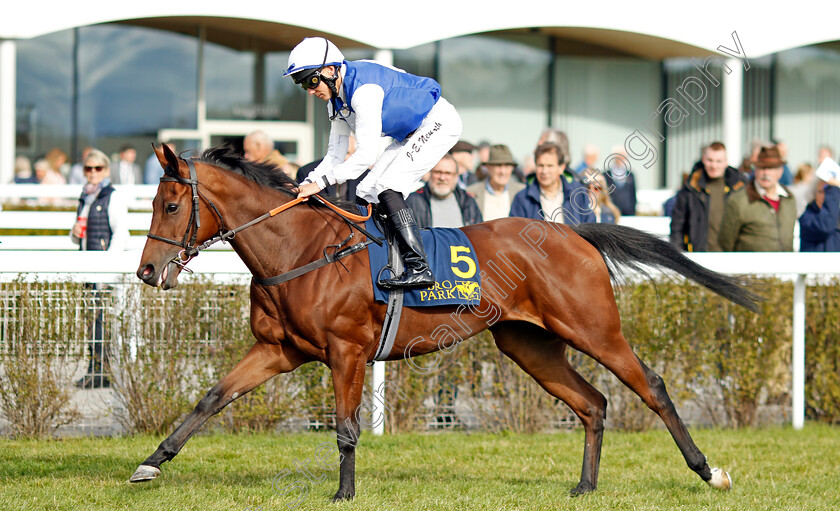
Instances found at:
x=182 y=218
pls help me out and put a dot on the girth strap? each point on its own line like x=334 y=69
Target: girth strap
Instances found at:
x=314 y=265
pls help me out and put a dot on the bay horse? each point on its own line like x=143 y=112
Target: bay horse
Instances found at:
x=544 y=287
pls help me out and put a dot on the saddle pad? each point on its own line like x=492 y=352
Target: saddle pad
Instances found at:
x=452 y=259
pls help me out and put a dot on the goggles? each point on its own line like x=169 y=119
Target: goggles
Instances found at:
x=310 y=80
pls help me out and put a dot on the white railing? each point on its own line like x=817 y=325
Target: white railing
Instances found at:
x=227 y=267
x=140 y=221
x=138 y=196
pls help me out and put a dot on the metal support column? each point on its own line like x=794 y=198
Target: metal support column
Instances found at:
x=798 y=356
x=378 y=378
x=733 y=108
x=8 y=77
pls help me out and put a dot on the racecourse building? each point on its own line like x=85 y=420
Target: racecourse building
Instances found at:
x=659 y=83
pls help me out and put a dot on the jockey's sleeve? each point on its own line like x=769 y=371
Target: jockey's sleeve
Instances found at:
x=336 y=153
x=367 y=110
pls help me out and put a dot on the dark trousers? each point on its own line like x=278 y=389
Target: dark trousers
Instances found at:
x=97 y=346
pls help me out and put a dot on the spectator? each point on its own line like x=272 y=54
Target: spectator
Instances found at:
x=668 y=205
x=558 y=137
x=464 y=154
x=824 y=151
x=259 y=147
x=761 y=216
x=57 y=159
x=550 y=197
x=483 y=154
x=787 y=176
x=441 y=202
x=102 y=212
x=494 y=194
x=803 y=187
x=77 y=175
x=101 y=224
x=152 y=171
x=699 y=205
x=126 y=171
x=555 y=136
x=23 y=172
x=621 y=181
x=46 y=175
x=590 y=160
x=819 y=225
x=602 y=206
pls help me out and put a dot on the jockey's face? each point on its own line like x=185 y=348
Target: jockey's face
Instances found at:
x=322 y=91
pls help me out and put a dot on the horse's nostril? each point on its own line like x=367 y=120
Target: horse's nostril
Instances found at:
x=147 y=270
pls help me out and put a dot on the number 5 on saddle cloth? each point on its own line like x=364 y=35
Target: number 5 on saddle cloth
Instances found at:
x=452 y=259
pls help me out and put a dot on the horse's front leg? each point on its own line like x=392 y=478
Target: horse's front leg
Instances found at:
x=348 y=374
x=260 y=363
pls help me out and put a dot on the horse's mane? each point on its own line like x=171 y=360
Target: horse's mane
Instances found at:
x=263 y=173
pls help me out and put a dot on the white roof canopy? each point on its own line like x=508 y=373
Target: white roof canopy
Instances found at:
x=646 y=28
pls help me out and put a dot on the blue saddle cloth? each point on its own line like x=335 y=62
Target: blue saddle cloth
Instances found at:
x=452 y=259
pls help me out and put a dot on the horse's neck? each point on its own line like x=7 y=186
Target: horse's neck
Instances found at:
x=280 y=243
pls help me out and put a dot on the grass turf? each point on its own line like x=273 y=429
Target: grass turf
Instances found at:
x=776 y=468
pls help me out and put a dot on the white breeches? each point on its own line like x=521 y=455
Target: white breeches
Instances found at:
x=404 y=163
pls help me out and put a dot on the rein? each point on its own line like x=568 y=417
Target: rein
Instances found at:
x=189 y=250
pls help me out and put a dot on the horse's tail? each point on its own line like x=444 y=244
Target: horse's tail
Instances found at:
x=623 y=246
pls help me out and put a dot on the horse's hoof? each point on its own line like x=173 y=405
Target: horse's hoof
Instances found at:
x=581 y=488
x=343 y=495
x=721 y=480
x=144 y=473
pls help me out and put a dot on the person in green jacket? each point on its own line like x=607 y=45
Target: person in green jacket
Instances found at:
x=761 y=216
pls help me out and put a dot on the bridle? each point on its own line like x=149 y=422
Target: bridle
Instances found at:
x=187 y=243
x=189 y=249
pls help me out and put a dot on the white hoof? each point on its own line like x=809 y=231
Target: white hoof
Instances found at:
x=144 y=473
x=721 y=480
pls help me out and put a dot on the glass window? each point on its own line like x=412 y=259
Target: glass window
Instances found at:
x=44 y=93
x=229 y=83
x=807 y=101
x=602 y=101
x=132 y=82
x=499 y=87
x=419 y=60
x=281 y=91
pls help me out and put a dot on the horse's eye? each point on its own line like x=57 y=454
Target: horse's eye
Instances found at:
x=171 y=208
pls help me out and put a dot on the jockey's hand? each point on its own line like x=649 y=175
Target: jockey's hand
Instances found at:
x=307 y=189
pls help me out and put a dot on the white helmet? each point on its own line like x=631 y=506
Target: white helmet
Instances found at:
x=313 y=53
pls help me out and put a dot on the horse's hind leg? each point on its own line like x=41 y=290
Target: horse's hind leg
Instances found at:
x=260 y=363
x=610 y=348
x=543 y=356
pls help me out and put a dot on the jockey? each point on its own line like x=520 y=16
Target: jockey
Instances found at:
x=372 y=101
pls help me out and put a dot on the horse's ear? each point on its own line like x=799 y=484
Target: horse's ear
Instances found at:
x=166 y=157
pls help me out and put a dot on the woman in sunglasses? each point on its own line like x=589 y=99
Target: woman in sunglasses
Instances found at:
x=375 y=101
x=102 y=215
x=101 y=224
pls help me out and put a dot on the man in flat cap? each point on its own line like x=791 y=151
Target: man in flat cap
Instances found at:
x=760 y=217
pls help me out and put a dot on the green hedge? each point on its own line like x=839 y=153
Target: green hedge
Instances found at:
x=169 y=348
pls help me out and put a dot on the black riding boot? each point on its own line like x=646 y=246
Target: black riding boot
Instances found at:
x=417 y=272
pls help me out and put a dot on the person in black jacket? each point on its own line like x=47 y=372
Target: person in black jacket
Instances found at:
x=101 y=225
x=699 y=205
x=441 y=202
